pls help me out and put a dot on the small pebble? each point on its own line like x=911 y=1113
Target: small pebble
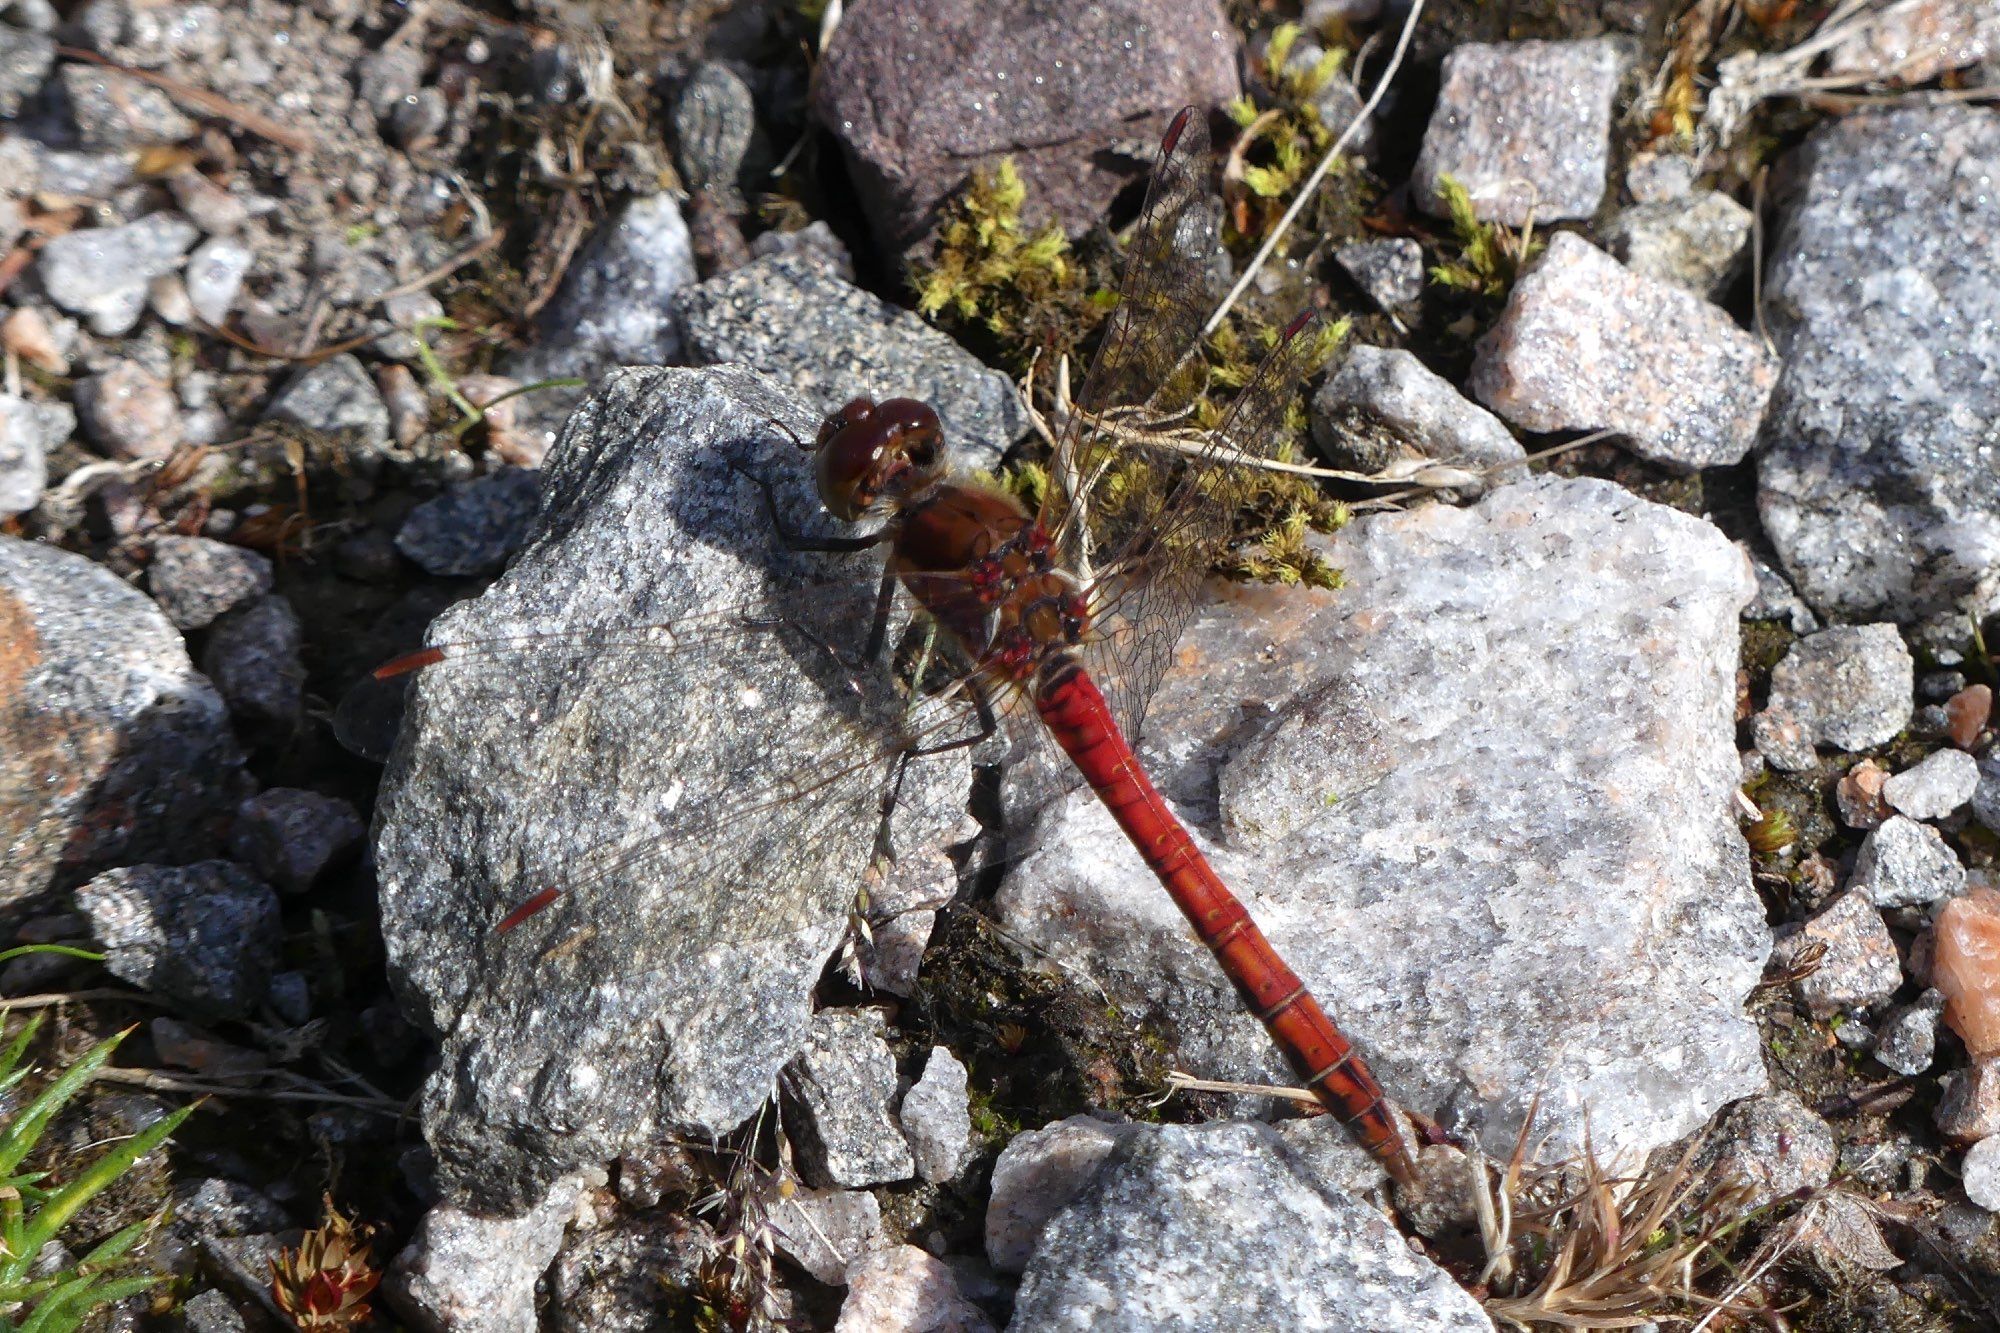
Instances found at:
x=335 y=396
x=1986 y=799
x=168 y=297
x=1697 y=243
x=128 y=412
x=1965 y=966
x=253 y=658
x=1851 y=686
x=1783 y=740
x=1859 y=795
x=79 y=267
x=27 y=333
x=205 y=935
x=1907 y=864
x=1980 y=1174
x=1969 y=1106
x=1906 y=1041
x=115 y=110
x=474 y=527
x=292 y=837
x=215 y=273
x=25 y=61
x=28 y=432
x=196 y=579
x=1967 y=713
x=1525 y=127
x=1390 y=271
x=1943 y=782
x=936 y=1118
x=1860 y=966
x=1936 y=687
x=209 y=206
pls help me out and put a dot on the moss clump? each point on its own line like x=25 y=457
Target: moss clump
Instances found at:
x=989 y=272
x=1280 y=144
x=1490 y=256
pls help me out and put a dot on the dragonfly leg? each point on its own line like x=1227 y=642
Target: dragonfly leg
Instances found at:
x=878 y=628
x=796 y=541
x=989 y=724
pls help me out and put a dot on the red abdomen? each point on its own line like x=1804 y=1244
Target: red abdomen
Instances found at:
x=1076 y=713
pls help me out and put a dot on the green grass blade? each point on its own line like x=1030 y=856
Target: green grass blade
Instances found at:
x=119 y=1244
x=76 y=1193
x=67 y=1309
x=66 y=950
x=10 y=1059
x=20 y=1136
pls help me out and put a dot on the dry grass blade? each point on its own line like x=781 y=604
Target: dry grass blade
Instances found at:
x=1611 y=1252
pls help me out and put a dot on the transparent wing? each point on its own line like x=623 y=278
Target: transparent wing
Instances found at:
x=1157 y=493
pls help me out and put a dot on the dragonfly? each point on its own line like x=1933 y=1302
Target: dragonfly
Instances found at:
x=1049 y=631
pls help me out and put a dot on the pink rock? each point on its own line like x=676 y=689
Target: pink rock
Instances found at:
x=1966 y=714
x=1859 y=795
x=904 y=1290
x=1965 y=965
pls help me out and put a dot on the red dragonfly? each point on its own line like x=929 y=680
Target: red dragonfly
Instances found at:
x=1065 y=615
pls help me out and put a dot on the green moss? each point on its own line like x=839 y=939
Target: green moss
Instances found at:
x=1490 y=255
x=988 y=271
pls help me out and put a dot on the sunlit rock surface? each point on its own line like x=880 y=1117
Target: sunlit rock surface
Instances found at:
x=1480 y=799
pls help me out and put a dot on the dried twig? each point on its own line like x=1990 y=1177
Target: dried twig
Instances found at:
x=1179 y=1082
x=446 y=269
x=201 y=99
x=160 y=1081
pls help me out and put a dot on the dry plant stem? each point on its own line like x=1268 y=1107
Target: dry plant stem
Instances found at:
x=164 y=1082
x=1179 y=1082
x=201 y=99
x=446 y=269
x=1319 y=172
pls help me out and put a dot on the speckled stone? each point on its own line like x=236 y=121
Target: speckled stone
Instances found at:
x=1578 y=348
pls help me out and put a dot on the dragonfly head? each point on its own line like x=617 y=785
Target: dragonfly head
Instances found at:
x=868 y=450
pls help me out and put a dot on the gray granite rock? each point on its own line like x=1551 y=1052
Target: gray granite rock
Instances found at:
x=292 y=837
x=1986 y=796
x=1223 y=1227
x=115 y=749
x=114 y=110
x=28 y=431
x=254 y=657
x=1859 y=967
x=1907 y=864
x=476 y=1273
x=1514 y=713
x=1784 y=740
x=101 y=269
x=936 y=1116
x=611 y=310
x=1969 y=1106
x=1578 y=348
x=825 y=1231
x=1980 y=1174
x=1773 y=1143
x=196 y=579
x=1076 y=94
x=1914 y=43
x=1698 y=243
x=795 y=320
x=1038 y=1173
x=1906 y=1041
x=663 y=991
x=1940 y=784
x=1524 y=126
x=215 y=273
x=1876 y=480
x=25 y=61
x=845 y=1081
x=205 y=936
x=1776 y=599
x=212 y=1312
x=1384 y=409
x=1850 y=686
x=473 y=527
x=714 y=119
x=336 y=396
x=1390 y=271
